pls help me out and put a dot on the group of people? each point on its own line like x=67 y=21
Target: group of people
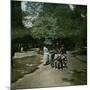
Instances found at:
x=56 y=58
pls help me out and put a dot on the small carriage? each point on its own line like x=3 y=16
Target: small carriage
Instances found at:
x=59 y=61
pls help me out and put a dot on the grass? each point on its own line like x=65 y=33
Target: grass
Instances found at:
x=78 y=77
x=82 y=58
x=22 y=66
x=80 y=55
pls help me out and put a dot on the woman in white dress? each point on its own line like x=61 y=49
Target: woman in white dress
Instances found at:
x=45 y=55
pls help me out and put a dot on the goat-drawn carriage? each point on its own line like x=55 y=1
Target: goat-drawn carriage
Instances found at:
x=58 y=60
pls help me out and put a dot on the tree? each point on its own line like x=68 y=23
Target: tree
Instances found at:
x=16 y=14
x=57 y=22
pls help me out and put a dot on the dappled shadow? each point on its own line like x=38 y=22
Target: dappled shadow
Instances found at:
x=77 y=77
x=25 y=65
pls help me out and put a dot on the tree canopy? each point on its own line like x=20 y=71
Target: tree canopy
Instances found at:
x=54 y=21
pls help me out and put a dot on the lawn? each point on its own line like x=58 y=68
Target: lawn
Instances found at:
x=25 y=65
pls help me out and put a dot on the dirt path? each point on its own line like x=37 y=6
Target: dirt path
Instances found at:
x=24 y=54
x=46 y=76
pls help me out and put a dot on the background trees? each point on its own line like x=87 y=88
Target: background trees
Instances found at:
x=58 y=23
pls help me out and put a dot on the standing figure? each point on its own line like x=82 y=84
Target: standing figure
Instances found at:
x=63 y=56
x=52 y=58
x=45 y=55
x=62 y=50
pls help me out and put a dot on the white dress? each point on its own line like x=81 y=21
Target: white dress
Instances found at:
x=46 y=55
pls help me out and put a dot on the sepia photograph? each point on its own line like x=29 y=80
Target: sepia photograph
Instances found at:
x=48 y=45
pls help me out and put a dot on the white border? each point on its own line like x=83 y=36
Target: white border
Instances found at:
x=80 y=2
x=5 y=44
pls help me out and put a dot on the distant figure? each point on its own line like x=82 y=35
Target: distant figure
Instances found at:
x=63 y=56
x=52 y=54
x=62 y=50
x=21 y=49
x=45 y=55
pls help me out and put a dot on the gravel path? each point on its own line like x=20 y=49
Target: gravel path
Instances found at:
x=46 y=76
x=24 y=54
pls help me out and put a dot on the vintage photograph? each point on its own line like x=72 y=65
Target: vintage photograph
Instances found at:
x=48 y=45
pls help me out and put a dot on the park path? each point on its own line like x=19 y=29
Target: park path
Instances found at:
x=46 y=76
x=24 y=54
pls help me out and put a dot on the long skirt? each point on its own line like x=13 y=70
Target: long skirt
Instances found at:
x=45 y=58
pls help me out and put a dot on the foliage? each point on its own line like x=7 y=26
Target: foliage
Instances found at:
x=53 y=21
x=16 y=14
